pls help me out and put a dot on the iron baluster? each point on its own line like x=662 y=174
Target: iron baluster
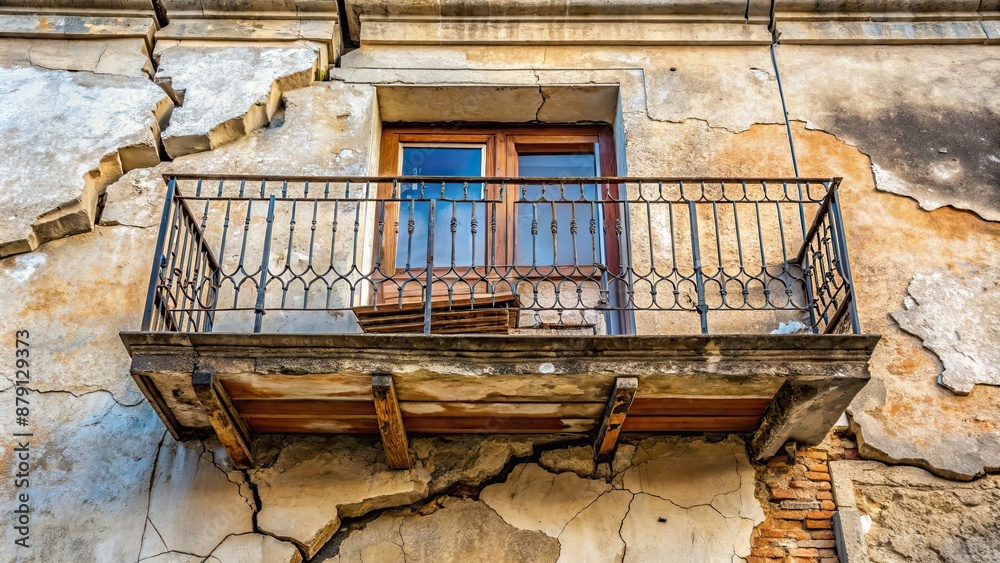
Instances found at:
x=264 y=261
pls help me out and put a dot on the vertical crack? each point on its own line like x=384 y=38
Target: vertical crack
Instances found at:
x=149 y=495
x=622 y=525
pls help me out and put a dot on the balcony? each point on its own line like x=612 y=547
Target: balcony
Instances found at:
x=416 y=305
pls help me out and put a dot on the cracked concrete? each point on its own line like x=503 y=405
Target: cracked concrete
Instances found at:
x=93 y=128
x=227 y=92
x=125 y=57
x=589 y=518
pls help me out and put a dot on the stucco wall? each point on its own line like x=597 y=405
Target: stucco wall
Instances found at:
x=911 y=128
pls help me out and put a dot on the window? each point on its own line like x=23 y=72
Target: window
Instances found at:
x=487 y=232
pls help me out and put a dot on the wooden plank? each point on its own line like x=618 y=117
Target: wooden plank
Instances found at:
x=319 y=408
x=443 y=323
x=228 y=426
x=390 y=422
x=484 y=314
x=312 y=386
x=614 y=416
x=302 y=408
x=484 y=300
x=432 y=386
x=690 y=423
x=424 y=425
x=644 y=406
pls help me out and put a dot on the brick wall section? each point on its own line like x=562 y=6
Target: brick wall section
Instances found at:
x=799 y=505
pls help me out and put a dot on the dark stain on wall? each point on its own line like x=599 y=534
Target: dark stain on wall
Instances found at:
x=948 y=156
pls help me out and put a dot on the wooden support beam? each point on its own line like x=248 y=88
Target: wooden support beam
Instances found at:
x=229 y=427
x=614 y=416
x=390 y=422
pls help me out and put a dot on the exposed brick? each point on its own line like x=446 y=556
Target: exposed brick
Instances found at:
x=821 y=534
x=818 y=544
x=800 y=504
x=769 y=552
x=824 y=495
x=827 y=553
x=789 y=514
x=815 y=454
x=793 y=534
x=829 y=560
x=778 y=493
x=803 y=552
x=818 y=468
x=785 y=525
x=800 y=560
x=819 y=485
x=777 y=461
x=819 y=524
x=817 y=476
x=827 y=505
x=819 y=514
x=758 y=559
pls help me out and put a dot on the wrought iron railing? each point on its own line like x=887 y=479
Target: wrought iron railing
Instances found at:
x=604 y=255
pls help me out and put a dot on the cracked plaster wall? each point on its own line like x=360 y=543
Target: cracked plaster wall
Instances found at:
x=710 y=111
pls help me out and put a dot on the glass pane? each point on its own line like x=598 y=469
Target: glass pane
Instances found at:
x=467 y=245
x=573 y=206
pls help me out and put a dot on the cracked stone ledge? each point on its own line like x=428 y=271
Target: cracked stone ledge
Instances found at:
x=70 y=208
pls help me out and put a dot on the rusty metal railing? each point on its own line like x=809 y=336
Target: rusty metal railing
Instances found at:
x=605 y=255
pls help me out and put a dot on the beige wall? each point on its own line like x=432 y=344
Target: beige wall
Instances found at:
x=905 y=111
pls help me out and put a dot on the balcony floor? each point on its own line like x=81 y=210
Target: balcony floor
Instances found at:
x=778 y=387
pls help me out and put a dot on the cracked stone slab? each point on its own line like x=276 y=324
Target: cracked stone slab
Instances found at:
x=227 y=92
x=379 y=540
x=471 y=459
x=689 y=473
x=658 y=530
x=535 y=499
x=57 y=292
x=136 y=199
x=254 y=547
x=326 y=130
x=593 y=534
x=467 y=530
x=957 y=316
x=314 y=482
x=127 y=57
x=79 y=131
x=173 y=557
x=92 y=460
x=193 y=506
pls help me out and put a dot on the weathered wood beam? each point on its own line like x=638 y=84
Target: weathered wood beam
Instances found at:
x=229 y=427
x=614 y=416
x=390 y=422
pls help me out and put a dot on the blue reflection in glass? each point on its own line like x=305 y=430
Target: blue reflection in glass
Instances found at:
x=455 y=201
x=568 y=201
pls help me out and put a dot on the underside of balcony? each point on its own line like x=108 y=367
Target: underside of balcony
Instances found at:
x=774 y=388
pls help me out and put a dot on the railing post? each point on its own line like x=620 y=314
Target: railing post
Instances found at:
x=430 y=267
x=159 y=260
x=845 y=263
x=265 y=258
x=699 y=279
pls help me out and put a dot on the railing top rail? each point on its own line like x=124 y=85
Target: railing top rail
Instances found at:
x=502 y=179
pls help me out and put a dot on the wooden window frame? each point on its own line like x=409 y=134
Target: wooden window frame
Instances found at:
x=502 y=143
